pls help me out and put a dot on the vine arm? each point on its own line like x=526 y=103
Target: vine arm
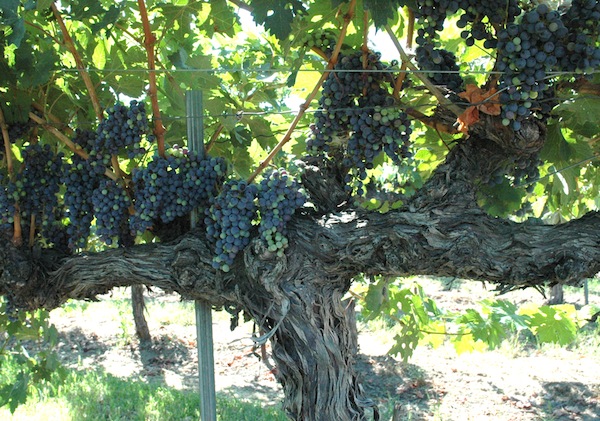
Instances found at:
x=84 y=74
x=149 y=42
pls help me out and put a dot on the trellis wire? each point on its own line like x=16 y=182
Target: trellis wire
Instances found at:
x=240 y=115
x=291 y=70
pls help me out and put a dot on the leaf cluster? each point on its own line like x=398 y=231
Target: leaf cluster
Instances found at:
x=28 y=357
x=419 y=320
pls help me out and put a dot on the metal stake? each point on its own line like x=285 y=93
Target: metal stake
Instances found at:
x=204 y=333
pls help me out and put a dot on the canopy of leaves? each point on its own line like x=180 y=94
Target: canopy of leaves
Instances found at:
x=253 y=61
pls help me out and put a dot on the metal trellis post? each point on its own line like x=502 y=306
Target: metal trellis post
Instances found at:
x=206 y=359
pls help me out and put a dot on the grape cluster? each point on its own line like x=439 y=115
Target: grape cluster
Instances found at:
x=528 y=51
x=123 y=128
x=522 y=171
x=358 y=114
x=173 y=186
x=38 y=184
x=7 y=200
x=376 y=129
x=111 y=208
x=18 y=130
x=478 y=18
x=442 y=64
x=53 y=233
x=121 y=131
x=80 y=181
x=278 y=198
x=229 y=220
x=86 y=139
x=580 y=50
x=324 y=40
x=526 y=171
x=337 y=102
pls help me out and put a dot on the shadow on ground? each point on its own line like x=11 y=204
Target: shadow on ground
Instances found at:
x=570 y=401
x=397 y=386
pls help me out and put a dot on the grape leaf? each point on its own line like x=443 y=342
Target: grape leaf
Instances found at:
x=506 y=313
x=580 y=114
x=560 y=151
x=466 y=343
x=15 y=394
x=382 y=10
x=552 y=324
x=109 y=18
x=9 y=17
x=501 y=199
x=374 y=299
x=406 y=342
x=221 y=19
x=277 y=15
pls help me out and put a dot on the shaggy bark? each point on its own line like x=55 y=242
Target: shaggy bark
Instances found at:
x=297 y=299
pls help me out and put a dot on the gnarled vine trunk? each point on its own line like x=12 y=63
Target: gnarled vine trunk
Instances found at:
x=312 y=331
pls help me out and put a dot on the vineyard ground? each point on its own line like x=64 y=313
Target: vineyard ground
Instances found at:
x=519 y=381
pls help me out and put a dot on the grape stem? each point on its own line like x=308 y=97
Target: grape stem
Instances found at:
x=409 y=42
x=32 y=231
x=54 y=119
x=42 y=30
x=330 y=65
x=214 y=137
x=365 y=48
x=149 y=42
x=17 y=233
x=7 y=148
x=68 y=142
x=84 y=74
x=430 y=86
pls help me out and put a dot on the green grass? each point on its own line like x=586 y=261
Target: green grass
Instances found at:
x=94 y=395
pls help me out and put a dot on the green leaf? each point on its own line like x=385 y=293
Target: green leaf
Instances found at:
x=261 y=130
x=561 y=152
x=506 y=313
x=40 y=75
x=485 y=329
x=10 y=17
x=375 y=298
x=43 y=4
x=277 y=15
x=15 y=394
x=580 y=114
x=406 y=342
x=554 y=324
x=241 y=136
x=382 y=10
x=222 y=19
x=502 y=199
x=109 y=18
x=86 y=9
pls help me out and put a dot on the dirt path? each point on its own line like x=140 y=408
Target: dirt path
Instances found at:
x=502 y=385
